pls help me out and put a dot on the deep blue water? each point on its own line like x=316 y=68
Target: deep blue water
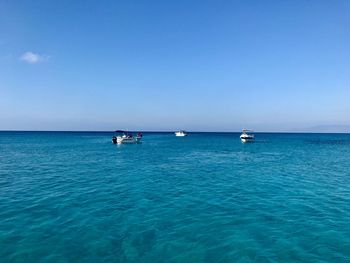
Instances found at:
x=76 y=197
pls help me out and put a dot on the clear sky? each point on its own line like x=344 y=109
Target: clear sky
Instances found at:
x=168 y=65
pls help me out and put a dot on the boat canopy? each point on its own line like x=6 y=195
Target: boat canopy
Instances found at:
x=247 y=131
x=124 y=132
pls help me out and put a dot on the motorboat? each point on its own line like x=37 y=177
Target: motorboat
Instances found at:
x=247 y=136
x=180 y=134
x=125 y=137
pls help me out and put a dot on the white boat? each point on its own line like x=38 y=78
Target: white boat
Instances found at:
x=180 y=134
x=124 y=137
x=247 y=136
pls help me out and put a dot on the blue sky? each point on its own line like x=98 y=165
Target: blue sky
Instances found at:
x=168 y=65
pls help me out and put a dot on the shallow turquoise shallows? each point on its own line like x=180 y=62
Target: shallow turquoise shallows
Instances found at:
x=76 y=197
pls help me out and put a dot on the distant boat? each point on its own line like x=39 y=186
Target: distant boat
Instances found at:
x=247 y=136
x=180 y=134
x=124 y=137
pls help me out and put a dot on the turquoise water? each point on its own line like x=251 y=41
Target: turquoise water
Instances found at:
x=76 y=197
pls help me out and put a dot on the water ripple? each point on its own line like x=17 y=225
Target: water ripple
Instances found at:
x=75 y=197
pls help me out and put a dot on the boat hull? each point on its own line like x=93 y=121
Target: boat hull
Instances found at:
x=247 y=140
x=180 y=134
x=122 y=140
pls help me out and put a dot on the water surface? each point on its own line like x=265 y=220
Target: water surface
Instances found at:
x=76 y=197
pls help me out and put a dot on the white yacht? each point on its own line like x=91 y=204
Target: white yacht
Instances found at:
x=180 y=134
x=247 y=136
x=124 y=137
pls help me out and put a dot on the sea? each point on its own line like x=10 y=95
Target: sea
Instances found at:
x=76 y=197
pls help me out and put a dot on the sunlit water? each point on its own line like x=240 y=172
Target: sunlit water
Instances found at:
x=76 y=197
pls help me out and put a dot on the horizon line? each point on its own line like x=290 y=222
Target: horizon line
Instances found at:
x=172 y=131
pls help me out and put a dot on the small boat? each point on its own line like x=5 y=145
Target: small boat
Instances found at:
x=247 y=136
x=124 y=137
x=180 y=134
